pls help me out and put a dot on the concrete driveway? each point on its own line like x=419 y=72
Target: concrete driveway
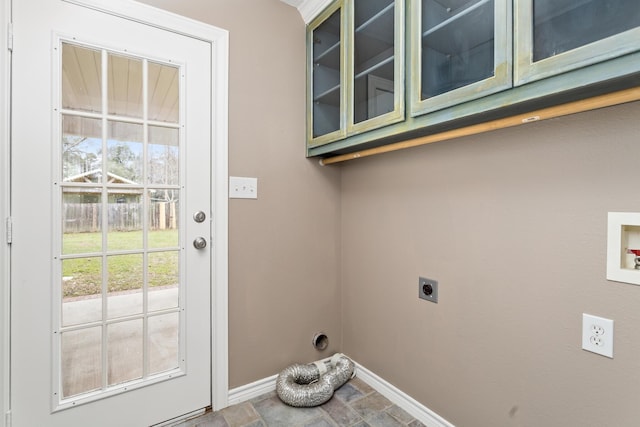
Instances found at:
x=82 y=349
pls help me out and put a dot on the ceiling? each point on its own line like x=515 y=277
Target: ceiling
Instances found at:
x=82 y=83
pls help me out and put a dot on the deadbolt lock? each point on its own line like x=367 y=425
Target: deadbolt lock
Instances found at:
x=199 y=216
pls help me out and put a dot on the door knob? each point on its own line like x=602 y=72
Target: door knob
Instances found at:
x=200 y=243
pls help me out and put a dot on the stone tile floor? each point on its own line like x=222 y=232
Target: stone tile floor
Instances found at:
x=355 y=404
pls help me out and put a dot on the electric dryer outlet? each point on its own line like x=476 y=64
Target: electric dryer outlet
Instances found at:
x=428 y=289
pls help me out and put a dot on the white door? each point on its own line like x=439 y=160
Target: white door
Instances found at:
x=111 y=266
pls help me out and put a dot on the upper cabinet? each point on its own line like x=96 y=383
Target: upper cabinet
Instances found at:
x=461 y=50
x=465 y=62
x=355 y=69
x=556 y=36
x=326 y=68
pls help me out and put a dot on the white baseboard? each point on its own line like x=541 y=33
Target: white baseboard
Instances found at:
x=255 y=389
x=249 y=391
x=417 y=410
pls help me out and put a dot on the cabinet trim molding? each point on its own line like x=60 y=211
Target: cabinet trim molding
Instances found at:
x=594 y=103
x=308 y=9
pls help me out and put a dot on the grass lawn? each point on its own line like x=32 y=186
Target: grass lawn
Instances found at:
x=83 y=276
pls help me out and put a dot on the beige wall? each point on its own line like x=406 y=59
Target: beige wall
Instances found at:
x=284 y=247
x=511 y=223
x=513 y=226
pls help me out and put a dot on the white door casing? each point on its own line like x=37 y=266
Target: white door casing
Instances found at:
x=129 y=15
x=5 y=13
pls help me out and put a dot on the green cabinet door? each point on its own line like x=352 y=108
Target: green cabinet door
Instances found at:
x=460 y=50
x=556 y=36
x=376 y=55
x=326 y=94
x=355 y=69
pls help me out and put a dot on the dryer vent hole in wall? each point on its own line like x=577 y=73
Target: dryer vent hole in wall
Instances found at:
x=320 y=341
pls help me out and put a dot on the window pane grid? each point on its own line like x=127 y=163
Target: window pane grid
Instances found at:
x=118 y=179
x=107 y=322
x=119 y=118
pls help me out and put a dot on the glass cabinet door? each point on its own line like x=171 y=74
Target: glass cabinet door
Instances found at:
x=555 y=36
x=326 y=64
x=355 y=69
x=376 y=54
x=461 y=51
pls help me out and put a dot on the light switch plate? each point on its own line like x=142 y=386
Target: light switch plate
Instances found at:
x=243 y=187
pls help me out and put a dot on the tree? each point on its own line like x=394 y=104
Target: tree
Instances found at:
x=77 y=157
x=164 y=164
x=122 y=161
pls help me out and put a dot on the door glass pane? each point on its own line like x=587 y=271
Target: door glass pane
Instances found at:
x=81 y=78
x=562 y=25
x=125 y=219
x=164 y=279
x=124 y=348
x=326 y=72
x=164 y=155
x=81 y=361
x=125 y=86
x=81 y=149
x=373 y=59
x=164 y=99
x=81 y=290
x=164 y=207
x=163 y=343
x=124 y=153
x=457 y=44
x=119 y=238
x=81 y=220
x=124 y=285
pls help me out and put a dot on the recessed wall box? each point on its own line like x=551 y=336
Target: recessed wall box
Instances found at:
x=623 y=247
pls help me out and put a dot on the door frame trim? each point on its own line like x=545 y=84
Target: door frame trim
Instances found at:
x=219 y=40
x=5 y=210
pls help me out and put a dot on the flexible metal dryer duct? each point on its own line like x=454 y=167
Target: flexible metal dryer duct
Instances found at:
x=313 y=384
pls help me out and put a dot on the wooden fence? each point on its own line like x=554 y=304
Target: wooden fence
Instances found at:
x=87 y=217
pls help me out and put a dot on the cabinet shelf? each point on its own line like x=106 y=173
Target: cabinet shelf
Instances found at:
x=330 y=93
x=470 y=61
x=377 y=16
x=578 y=24
x=544 y=12
x=439 y=36
x=456 y=17
x=334 y=49
x=374 y=40
x=355 y=70
x=329 y=56
x=377 y=64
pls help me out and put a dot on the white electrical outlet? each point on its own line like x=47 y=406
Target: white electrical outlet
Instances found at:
x=597 y=335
